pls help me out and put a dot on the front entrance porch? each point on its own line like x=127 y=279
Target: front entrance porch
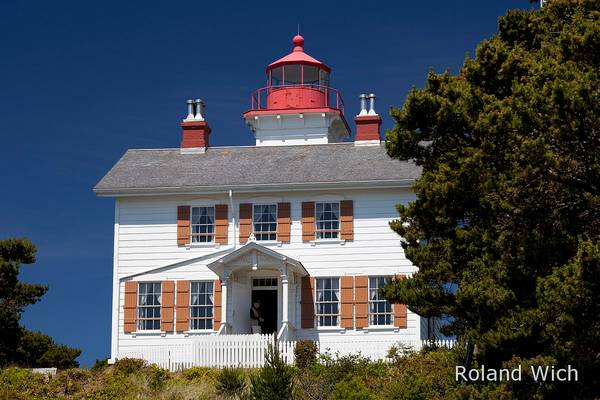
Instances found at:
x=255 y=272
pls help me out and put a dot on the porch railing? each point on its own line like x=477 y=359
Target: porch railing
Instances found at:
x=249 y=351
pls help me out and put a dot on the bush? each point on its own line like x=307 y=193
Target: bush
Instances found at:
x=305 y=353
x=99 y=365
x=201 y=373
x=157 y=377
x=129 y=365
x=274 y=380
x=231 y=383
x=352 y=389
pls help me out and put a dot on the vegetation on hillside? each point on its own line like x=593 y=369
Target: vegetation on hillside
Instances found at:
x=428 y=375
x=505 y=227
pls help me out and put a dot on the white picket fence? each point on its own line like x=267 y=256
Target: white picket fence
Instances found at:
x=245 y=351
x=249 y=351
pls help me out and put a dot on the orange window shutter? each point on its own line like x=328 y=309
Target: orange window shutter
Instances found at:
x=217 y=305
x=183 y=225
x=283 y=222
x=400 y=311
x=221 y=223
x=361 y=293
x=307 y=302
x=347 y=302
x=308 y=220
x=183 y=306
x=245 y=222
x=167 y=306
x=347 y=220
x=130 y=307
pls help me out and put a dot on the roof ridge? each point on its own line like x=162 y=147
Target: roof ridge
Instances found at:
x=254 y=147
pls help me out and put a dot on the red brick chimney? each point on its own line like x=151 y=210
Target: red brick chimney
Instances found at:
x=368 y=122
x=195 y=130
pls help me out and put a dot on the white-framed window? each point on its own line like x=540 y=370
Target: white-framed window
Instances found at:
x=201 y=305
x=203 y=224
x=148 y=307
x=380 y=310
x=264 y=220
x=327 y=301
x=327 y=220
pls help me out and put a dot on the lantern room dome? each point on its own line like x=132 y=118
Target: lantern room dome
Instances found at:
x=298 y=56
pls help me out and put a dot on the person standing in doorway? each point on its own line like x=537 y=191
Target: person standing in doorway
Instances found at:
x=256 y=318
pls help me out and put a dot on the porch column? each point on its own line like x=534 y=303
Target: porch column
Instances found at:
x=224 y=284
x=285 y=296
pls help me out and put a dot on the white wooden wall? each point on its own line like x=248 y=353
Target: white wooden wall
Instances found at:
x=145 y=239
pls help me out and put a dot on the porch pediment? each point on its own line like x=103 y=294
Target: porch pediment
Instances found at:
x=253 y=256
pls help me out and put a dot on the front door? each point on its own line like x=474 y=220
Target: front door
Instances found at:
x=268 y=307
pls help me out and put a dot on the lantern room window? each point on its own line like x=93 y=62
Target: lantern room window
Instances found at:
x=297 y=74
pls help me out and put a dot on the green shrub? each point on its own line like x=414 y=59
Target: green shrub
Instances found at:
x=352 y=389
x=157 y=377
x=201 y=373
x=274 y=379
x=305 y=353
x=18 y=383
x=231 y=383
x=99 y=365
x=129 y=365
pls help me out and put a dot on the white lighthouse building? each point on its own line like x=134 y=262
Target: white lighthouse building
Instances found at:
x=220 y=250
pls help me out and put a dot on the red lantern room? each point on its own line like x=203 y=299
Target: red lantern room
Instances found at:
x=297 y=85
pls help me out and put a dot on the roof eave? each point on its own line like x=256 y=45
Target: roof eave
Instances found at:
x=253 y=188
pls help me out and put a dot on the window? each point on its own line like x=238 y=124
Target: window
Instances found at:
x=380 y=310
x=201 y=305
x=203 y=224
x=149 y=298
x=265 y=222
x=311 y=75
x=328 y=220
x=328 y=301
x=264 y=282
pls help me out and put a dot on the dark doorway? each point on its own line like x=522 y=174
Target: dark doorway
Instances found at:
x=268 y=305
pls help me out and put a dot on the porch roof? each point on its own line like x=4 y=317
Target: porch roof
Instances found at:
x=253 y=251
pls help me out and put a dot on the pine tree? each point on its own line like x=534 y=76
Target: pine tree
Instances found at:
x=506 y=221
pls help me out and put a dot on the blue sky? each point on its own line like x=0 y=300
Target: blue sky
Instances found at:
x=82 y=81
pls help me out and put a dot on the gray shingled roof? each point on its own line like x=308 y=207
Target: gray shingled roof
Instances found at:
x=143 y=170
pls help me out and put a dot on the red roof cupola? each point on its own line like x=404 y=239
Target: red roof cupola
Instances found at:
x=297 y=84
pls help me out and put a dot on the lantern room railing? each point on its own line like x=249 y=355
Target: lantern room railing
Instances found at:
x=303 y=94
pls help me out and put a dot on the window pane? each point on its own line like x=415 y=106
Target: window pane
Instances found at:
x=291 y=74
x=311 y=75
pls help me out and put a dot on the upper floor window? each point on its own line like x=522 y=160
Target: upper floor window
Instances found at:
x=265 y=221
x=328 y=220
x=203 y=224
x=328 y=301
x=149 y=300
x=201 y=305
x=380 y=310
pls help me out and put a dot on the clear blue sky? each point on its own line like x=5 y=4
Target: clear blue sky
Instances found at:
x=82 y=81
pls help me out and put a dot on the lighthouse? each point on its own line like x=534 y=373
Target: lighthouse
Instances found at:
x=297 y=106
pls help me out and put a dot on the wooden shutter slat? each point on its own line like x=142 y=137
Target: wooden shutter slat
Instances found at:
x=308 y=220
x=183 y=304
x=221 y=223
x=347 y=302
x=361 y=293
x=217 y=305
x=130 y=307
x=283 y=222
x=347 y=220
x=307 y=302
x=400 y=311
x=167 y=306
x=183 y=224
x=245 y=222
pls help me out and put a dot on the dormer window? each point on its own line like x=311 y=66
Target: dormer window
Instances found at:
x=203 y=224
x=327 y=219
x=264 y=220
